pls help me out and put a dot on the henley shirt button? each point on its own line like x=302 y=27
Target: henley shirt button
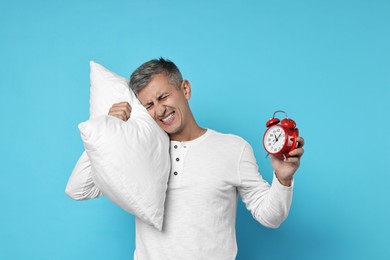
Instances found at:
x=175 y=146
x=175 y=173
x=177 y=159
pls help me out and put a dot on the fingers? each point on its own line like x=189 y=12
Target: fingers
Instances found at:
x=298 y=152
x=288 y=159
x=301 y=142
x=120 y=110
x=292 y=160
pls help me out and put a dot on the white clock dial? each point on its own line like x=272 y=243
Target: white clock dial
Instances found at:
x=274 y=139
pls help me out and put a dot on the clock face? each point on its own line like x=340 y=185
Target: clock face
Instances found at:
x=274 y=139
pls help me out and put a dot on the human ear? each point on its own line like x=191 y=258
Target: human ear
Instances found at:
x=186 y=88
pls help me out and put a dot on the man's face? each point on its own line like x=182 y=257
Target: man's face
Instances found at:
x=166 y=104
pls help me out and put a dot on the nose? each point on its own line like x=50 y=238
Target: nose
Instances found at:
x=160 y=110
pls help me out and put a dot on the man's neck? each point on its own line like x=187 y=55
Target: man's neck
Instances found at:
x=189 y=135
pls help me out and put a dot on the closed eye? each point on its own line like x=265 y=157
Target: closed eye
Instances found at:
x=163 y=97
x=148 y=105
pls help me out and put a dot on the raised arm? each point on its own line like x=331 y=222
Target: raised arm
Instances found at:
x=269 y=204
x=80 y=184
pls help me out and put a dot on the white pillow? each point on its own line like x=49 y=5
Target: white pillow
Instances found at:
x=129 y=159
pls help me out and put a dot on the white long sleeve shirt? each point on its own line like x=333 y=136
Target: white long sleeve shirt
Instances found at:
x=207 y=175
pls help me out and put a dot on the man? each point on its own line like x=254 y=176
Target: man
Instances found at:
x=209 y=170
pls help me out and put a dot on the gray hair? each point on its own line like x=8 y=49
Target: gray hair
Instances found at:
x=144 y=74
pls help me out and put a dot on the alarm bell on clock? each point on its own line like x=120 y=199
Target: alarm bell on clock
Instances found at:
x=280 y=138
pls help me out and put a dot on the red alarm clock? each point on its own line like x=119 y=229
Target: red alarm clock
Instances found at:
x=281 y=136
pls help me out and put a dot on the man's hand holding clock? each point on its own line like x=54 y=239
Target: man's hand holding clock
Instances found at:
x=282 y=142
x=286 y=167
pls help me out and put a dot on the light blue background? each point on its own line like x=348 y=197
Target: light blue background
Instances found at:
x=327 y=63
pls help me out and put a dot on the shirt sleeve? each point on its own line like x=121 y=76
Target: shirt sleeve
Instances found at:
x=269 y=204
x=80 y=184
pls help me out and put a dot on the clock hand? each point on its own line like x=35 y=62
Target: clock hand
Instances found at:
x=277 y=138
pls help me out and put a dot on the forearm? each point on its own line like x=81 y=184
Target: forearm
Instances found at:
x=275 y=205
x=269 y=204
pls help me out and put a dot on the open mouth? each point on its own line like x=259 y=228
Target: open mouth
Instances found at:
x=168 y=118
